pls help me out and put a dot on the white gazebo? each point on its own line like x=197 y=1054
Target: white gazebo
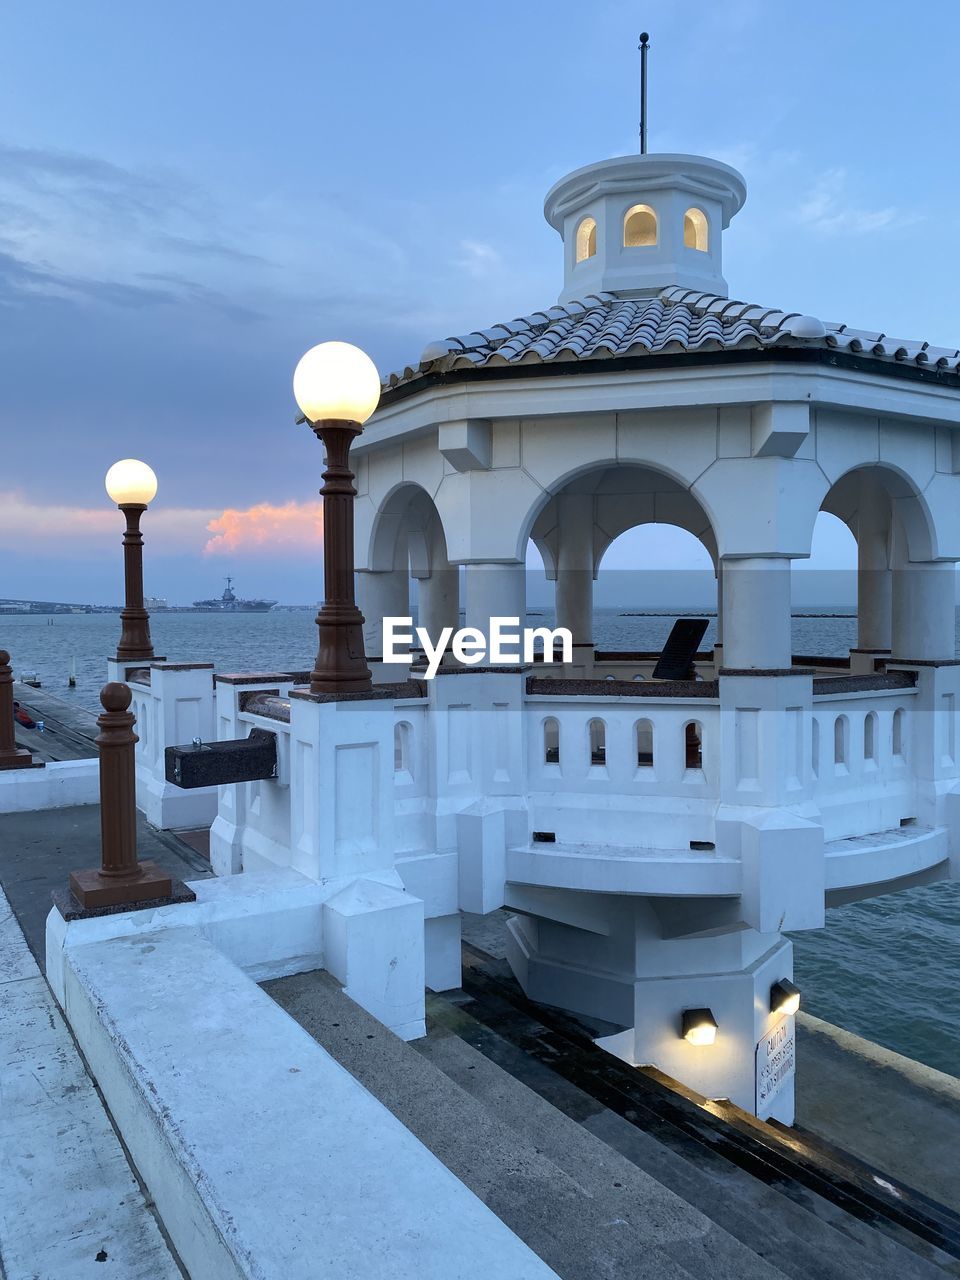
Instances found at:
x=653 y=840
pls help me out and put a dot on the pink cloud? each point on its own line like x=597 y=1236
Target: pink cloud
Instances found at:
x=41 y=527
x=294 y=526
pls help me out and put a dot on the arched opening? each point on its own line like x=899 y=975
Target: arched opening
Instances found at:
x=408 y=573
x=824 y=594
x=628 y=551
x=888 y=525
x=598 y=742
x=696 y=230
x=586 y=239
x=841 y=741
x=693 y=745
x=644 y=733
x=639 y=227
x=403 y=748
x=551 y=741
x=898 y=740
x=870 y=738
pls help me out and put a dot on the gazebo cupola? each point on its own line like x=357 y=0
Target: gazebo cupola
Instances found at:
x=638 y=224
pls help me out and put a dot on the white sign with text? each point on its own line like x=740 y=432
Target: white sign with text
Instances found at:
x=776 y=1064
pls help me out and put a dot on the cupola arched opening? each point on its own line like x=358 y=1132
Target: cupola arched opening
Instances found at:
x=639 y=227
x=586 y=239
x=696 y=231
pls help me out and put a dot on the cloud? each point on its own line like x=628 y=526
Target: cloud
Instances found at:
x=827 y=210
x=32 y=528
x=294 y=526
x=477 y=259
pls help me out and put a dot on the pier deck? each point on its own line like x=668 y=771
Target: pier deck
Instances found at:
x=38 y=850
x=69 y=729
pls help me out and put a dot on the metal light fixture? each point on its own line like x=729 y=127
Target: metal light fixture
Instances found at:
x=784 y=997
x=132 y=485
x=337 y=388
x=698 y=1026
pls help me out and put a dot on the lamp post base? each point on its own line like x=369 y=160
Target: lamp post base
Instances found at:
x=341 y=665
x=18 y=759
x=93 y=889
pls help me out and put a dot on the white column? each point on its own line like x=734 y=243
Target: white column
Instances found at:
x=874 y=577
x=924 y=611
x=379 y=596
x=756 y=614
x=574 y=590
x=495 y=591
x=439 y=596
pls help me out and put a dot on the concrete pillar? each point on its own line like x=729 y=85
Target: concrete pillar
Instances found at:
x=756 y=614
x=718 y=643
x=495 y=591
x=439 y=598
x=575 y=565
x=874 y=577
x=379 y=596
x=924 y=611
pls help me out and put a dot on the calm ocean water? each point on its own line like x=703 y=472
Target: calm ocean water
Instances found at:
x=887 y=969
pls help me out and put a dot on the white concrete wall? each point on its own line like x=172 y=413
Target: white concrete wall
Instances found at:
x=56 y=786
x=176 y=706
x=187 y=1049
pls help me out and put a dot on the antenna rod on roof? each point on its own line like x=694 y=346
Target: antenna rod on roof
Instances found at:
x=644 y=38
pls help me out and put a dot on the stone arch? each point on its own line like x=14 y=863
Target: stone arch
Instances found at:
x=623 y=495
x=574 y=525
x=880 y=492
x=406 y=541
x=406 y=528
x=887 y=513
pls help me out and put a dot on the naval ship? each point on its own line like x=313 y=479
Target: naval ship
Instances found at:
x=229 y=603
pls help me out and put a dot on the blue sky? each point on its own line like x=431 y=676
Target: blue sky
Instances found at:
x=191 y=195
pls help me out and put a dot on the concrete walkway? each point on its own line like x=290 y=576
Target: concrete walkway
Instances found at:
x=39 y=850
x=896 y=1114
x=70 y=1206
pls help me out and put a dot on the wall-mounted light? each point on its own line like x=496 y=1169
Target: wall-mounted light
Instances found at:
x=698 y=1026
x=784 y=997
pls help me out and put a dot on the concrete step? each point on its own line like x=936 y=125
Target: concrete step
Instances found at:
x=810 y=1227
x=593 y=1217
x=624 y=869
x=587 y=1158
x=802 y=1241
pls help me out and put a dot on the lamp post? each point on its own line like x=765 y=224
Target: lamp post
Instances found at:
x=11 y=756
x=337 y=388
x=121 y=879
x=132 y=485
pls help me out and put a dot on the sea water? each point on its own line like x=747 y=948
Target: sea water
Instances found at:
x=886 y=969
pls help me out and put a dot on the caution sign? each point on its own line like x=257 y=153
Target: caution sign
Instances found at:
x=776 y=1064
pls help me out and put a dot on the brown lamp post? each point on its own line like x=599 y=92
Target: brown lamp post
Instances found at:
x=11 y=756
x=337 y=388
x=120 y=879
x=132 y=485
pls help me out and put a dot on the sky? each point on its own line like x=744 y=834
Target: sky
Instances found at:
x=193 y=194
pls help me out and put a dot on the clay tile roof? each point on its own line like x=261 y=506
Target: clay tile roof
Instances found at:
x=603 y=325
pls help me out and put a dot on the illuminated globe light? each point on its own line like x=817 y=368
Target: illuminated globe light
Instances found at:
x=131 y=483
x=698 y=1026
x=336 y=380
